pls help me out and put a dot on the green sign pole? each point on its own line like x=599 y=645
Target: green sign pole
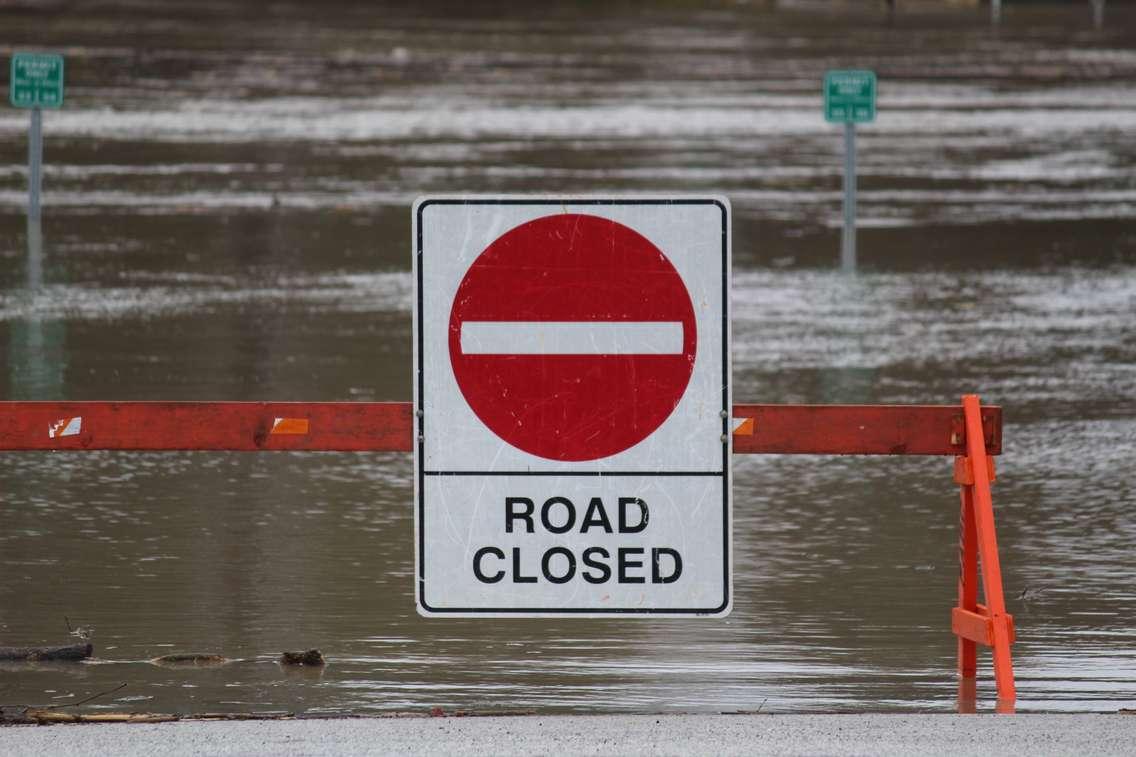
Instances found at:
x=36 y=82
x=35 y=230
x=849 y=98
x=35 y=163
x=848 y=235
x=1098 y=14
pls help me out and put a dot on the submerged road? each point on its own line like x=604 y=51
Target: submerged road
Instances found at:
x=598 y=734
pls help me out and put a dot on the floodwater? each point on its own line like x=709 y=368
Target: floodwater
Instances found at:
x=227 y=216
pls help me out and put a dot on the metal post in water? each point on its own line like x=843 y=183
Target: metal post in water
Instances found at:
x=848 y=237
x=35 y=171
x=995 y=12
x=1098 y=14
x=35 y=163
x=35 y=254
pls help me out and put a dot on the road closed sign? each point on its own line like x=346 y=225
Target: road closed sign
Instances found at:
x=572 y=403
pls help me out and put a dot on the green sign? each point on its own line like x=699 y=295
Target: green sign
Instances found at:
x=37 y=80
x=850 y=96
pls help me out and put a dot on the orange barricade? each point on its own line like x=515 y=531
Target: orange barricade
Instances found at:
x=972 y=622
x=972 y=434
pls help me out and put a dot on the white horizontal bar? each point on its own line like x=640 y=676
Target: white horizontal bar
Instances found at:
x=571 y=337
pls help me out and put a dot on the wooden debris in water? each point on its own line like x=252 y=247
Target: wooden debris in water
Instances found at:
x=193 y=660
x=241 y=716
x=34 y=654
x=45 y=717
x=311 y=657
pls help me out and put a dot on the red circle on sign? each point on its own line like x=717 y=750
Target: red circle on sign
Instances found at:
x=589 y=337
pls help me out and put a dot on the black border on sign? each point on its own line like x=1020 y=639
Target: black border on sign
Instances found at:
x=420 y=568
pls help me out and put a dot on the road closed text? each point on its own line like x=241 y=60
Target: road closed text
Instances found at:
x=593 y=563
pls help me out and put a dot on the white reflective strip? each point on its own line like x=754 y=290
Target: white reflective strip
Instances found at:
x=571 y=338
x=65 y=427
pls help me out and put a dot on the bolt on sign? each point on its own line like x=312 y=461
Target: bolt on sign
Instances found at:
x=850 y=96
x=36 y=80
x=572 y=397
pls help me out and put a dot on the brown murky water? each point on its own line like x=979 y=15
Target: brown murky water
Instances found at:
x=227 y=217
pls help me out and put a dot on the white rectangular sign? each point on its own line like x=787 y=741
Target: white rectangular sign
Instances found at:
x=572 y=398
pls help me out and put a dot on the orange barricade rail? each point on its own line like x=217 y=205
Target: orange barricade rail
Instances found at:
x=237 y=426
x=971 y=433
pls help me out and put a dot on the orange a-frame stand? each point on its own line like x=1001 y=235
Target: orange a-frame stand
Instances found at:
x=973 y=435
x=972 y=622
